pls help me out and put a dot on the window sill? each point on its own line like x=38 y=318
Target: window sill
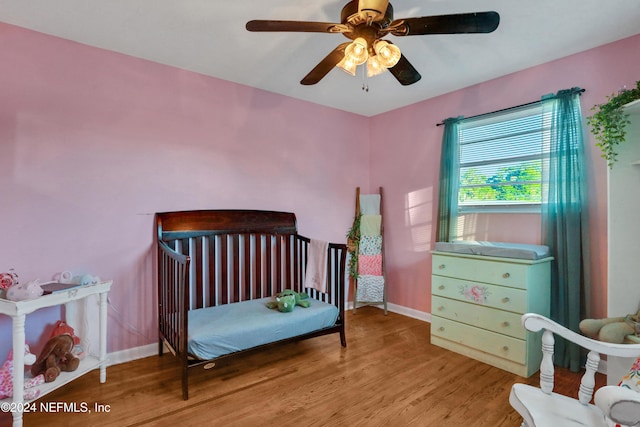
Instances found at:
x=500 y=209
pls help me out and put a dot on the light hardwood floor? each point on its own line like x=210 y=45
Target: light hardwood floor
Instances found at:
x=389 y=375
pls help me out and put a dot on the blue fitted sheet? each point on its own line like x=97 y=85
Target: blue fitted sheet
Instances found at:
x=224 y=329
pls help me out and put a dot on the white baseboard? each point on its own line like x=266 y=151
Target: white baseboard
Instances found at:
x=409 y=312
x=405 y=311
x=602 y=367
x=131 y=354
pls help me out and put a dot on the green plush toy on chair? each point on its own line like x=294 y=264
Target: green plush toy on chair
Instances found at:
x=286 y=300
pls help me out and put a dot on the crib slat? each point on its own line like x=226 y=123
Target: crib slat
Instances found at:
x=296 y=259
x=259 y=240
x=268 y=263
x=234 y=260
x=224 y=275
x=277 y=255
x=198 y=265
x=210 y=299
x=289 y=264
x=246 y=260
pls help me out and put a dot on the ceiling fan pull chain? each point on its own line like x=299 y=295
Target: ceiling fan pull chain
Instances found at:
x=365 y=86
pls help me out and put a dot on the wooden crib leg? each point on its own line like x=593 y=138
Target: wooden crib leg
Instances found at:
x=185 y=382
x=343 y=337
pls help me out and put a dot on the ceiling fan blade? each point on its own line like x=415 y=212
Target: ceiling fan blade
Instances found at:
x=461 y=23
x=404 y=72
x=296 y=26
x=324 y=66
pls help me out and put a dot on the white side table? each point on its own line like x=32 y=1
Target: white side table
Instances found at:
x=18 y=311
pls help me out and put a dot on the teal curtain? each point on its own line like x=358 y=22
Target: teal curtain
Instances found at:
x=448 y=194
x=564 y=220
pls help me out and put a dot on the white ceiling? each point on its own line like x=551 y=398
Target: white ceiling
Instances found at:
x=209 y=37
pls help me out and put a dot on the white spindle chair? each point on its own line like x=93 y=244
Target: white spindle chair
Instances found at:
x=541 y=407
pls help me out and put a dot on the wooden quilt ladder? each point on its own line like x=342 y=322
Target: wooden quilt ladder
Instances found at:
x=366 y=246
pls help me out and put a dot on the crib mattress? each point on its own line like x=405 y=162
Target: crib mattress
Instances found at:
x=497 y=249
x=224 y=329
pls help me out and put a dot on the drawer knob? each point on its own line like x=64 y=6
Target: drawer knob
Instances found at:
x=505 y=300
x=441 y=287
x=441 y=328
x=440 y=308
x=441 y=267
x=505 y=324
x=505 y=348
x=506 y=275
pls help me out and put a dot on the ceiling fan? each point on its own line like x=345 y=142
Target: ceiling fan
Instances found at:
x=366 y=22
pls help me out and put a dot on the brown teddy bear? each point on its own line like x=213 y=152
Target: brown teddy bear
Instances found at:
x=610 y=329
x=55 y=357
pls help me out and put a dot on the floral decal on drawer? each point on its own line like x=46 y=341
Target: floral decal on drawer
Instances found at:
x=475 y=293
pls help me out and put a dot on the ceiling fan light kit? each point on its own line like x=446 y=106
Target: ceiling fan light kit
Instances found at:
x=379 y=57
x=347 y=65
x=357 y=51
x=387 y=53
x=374 y=67
x=366 y=22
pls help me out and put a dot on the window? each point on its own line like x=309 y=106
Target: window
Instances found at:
x=501 y=160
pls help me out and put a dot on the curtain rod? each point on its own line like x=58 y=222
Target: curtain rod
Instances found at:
x=505 y=109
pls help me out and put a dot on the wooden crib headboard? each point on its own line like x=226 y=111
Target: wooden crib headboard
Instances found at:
x=185 y=224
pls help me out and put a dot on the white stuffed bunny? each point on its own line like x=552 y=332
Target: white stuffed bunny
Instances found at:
x=6 y=377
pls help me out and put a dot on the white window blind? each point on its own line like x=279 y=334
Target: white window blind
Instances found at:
x=501 y=160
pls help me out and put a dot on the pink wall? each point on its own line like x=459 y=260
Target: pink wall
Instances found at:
x=408 y=170
x=92 y=143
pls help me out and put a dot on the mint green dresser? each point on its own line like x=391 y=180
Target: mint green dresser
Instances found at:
x=477 y=302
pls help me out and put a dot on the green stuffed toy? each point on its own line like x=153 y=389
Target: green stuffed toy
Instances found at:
x=610 y=329
x=286 y=300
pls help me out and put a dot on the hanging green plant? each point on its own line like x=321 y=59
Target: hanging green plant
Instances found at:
x=609 y=121
x=353 y=239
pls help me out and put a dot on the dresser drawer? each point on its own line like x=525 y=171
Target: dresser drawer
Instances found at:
x=489 y=342
x=503 y=273
x=501 y=297
x=503 y=322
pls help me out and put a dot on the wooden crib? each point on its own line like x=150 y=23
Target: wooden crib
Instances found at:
x=226 y=259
